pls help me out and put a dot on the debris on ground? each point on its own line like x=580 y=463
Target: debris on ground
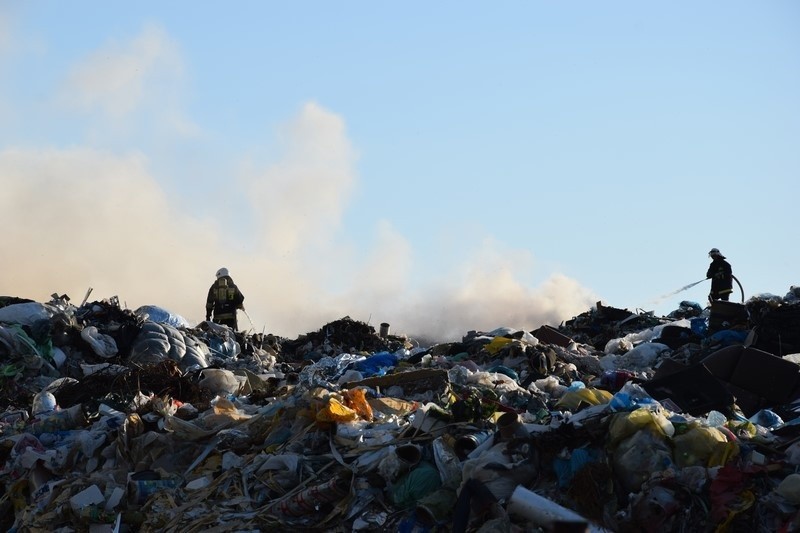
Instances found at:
x=128 y=421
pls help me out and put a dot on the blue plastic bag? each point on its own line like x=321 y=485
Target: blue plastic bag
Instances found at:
x=377 y=364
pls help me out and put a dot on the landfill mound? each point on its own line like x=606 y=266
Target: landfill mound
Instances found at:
x=132 y=420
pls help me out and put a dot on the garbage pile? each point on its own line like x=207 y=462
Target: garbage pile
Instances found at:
x=120 y=420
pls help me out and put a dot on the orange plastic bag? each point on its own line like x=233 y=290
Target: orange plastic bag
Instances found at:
x=356 y=400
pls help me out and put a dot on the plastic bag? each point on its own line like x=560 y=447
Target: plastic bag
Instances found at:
x=102 y=345
x=703 y=446
x=336 y=411
x=631 y=396
x=566 y=468
x=624 y=425
x=326 y=370
x=162 y=316
x=25 y=314
x=572 y=399
x=356 y=400
x=447 y=462
x=415 y=485
x=376 y=364
x=497 y=344
x=638 y=456
x=220 y=381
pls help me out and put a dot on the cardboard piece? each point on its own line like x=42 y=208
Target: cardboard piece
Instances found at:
x=694 y=389
x=550 y=335
x=771 y=378
x=89 y=496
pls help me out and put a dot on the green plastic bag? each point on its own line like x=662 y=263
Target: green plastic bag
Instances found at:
x=415 y=485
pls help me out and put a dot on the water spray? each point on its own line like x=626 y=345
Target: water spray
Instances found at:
x=673 y=293
x=689 y=286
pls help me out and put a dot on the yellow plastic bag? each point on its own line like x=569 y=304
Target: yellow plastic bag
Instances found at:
x=496 y=344
x=624 y=425
x=572 y=399
x=703 y=446
x=336 y=411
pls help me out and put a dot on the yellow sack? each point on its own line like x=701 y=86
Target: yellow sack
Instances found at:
x=572 y=399
x=335 y=411
x=703 y=446
x=623 y=425
x=496 y=344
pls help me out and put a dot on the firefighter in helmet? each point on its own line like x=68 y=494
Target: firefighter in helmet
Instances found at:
x=721 y=276
x=224 y=299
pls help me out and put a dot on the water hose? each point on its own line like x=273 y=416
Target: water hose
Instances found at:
x=249 y=319
x=740 y=286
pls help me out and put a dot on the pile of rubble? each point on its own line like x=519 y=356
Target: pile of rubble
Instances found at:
x=120 y=420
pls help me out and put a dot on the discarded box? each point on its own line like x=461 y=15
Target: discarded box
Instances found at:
x=550 y=335
x=772 y=378
x=695 y=390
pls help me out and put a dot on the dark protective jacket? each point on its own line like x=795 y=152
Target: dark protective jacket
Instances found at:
x=721 y=277
x=224 y=298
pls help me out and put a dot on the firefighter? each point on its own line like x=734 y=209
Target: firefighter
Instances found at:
x=224 y=298
x=721 y=276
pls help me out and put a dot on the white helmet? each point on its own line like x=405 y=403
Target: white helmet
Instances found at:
x=222 y=272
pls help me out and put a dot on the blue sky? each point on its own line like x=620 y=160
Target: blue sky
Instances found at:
x=441 y=167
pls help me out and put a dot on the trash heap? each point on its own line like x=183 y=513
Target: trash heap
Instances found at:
x=120 y=420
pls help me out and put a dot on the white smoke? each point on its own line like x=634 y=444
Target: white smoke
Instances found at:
x=94 y=216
